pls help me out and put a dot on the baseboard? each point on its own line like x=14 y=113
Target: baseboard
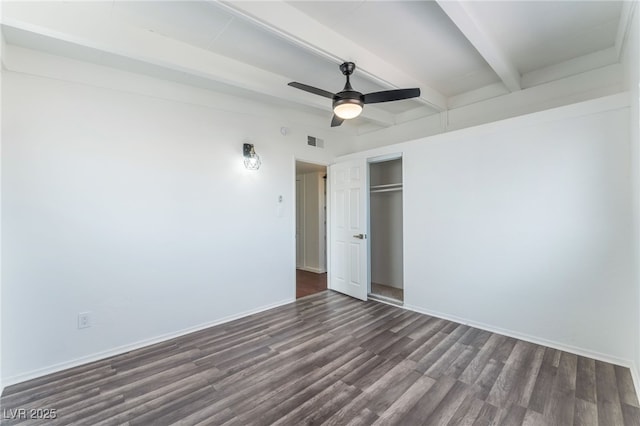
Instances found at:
x=635 y=377
x=384 y=299
x=9 y=381
x=310 y=269
x=527 y=338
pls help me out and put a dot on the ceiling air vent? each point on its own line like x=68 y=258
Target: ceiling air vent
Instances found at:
x=313 y=141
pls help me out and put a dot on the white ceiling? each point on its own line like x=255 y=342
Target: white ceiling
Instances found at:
x=449 y=49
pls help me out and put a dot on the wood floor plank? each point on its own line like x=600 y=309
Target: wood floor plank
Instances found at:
x=429 y=329
x=608 y=396
x=534 y=418
x=487 y=378
x=513 y=414
x=134 y=405
x=319 y=408
x=275 y=403
x=418 y=324
x=544 y=381
x=363 y=418
x=586 y=379
x=449 y=405
x=486 y=415
x=561 y=406
x=427 y=346
x=45 y=390
x=475 y=367
x=585 y=413
x=458 y=365
x=403 y=346
x=467 y=411
x=369 y=378
x=207 y=415
x=439 y=366
x=384 y=396
x=334 y=360
x=429 y=402
x=631 y=415
x=626 y=389
x=405 y=403
x=381 y=394
x=427 y=361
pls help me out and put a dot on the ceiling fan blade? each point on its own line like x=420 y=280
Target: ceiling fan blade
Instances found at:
x=336 y=121
x=391 y=95
x=311 y=89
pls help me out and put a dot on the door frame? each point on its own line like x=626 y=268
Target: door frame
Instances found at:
x=379 y=159
x=373 y=159
x=294 y=215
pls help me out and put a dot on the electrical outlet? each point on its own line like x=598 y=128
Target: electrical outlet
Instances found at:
x=84 y=320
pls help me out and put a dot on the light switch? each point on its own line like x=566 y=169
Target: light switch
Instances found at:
x=280 y=207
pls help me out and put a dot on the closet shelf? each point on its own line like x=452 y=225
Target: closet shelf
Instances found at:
x=386 y=188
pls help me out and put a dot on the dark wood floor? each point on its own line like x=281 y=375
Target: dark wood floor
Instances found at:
x=329 y=359
x=308 y=283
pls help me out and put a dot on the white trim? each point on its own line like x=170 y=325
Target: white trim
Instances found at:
x=635 y=377
x=311 y=269
x=526 y=337
x=133 y=346
x=302 y=267
x=25 y=61
x=593 y=106
x=624 y=26
x=490 y=51
x=385 y=157
x=295 y=26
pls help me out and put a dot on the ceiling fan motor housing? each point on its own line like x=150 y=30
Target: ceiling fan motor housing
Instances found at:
x=348 y=96
x=348 y=104
x=347 y=68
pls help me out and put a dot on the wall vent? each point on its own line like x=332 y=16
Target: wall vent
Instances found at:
x=313 y=141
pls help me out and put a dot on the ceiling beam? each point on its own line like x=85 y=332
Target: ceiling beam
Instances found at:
x=93 y=32
x=490 y=51
x=624 y=24
x=297 y=27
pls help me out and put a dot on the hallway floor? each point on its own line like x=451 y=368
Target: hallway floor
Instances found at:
x=308 y=283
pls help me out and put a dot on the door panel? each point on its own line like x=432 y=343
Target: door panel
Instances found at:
x=348 y=266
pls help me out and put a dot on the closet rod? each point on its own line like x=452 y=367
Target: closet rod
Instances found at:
x=385 y=190
x=390 y=185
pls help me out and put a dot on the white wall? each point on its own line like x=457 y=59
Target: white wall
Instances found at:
x=524 y=227
x=631 y=60
x=136 y=207
x=386 y=238
x=2 y=71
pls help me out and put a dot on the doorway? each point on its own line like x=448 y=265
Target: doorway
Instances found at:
x=386 y=236
x=311 y=228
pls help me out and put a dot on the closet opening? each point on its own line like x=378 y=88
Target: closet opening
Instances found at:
x=385 y=230
x=311 y=228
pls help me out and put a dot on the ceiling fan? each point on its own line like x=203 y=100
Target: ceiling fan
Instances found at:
x=348 y=103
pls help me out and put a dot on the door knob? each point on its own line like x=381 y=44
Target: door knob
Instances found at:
x=360 y=236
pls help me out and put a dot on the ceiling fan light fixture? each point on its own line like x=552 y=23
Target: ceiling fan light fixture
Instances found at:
x=348 y=103
x=347 y=108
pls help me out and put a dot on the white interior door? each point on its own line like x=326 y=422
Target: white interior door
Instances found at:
x=348 y=255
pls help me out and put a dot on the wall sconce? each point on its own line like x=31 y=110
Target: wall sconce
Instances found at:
x=251 y=159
